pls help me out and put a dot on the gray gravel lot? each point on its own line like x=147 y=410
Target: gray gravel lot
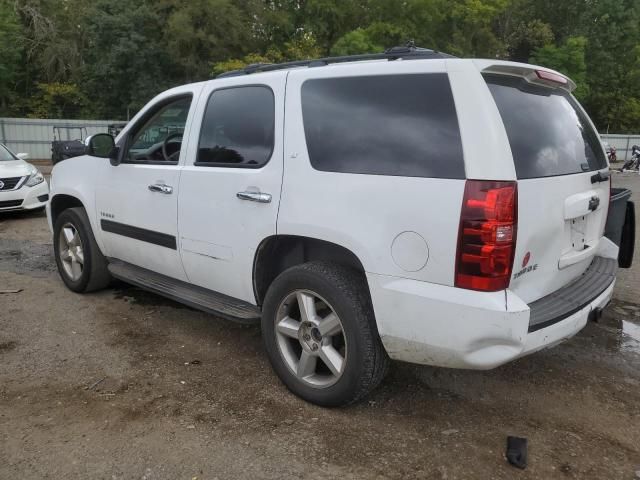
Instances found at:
x=124 y=384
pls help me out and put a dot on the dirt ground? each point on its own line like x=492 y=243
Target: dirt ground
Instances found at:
x=124 y=384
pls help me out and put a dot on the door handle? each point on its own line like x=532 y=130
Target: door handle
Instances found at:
x=161 y=188
x=255 y=197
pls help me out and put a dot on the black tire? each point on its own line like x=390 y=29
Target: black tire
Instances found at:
x=95 y=274
x=347 y=292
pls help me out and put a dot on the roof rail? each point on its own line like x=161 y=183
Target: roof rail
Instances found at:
x=406 y=52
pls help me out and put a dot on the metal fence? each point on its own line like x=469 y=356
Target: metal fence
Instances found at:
x=34 y=136
x=623 y=144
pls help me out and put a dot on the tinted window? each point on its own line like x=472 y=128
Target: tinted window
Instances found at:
x=384 y=125
x=159 y=138
x=548 y=133
x=238 y=128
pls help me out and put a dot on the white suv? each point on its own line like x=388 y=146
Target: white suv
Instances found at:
x=408 y=205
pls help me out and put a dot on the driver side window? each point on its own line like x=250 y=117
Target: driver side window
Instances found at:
x=158 y=139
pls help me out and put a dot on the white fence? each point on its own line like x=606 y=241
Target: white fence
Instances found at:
x=623 y=144
x=34 y=136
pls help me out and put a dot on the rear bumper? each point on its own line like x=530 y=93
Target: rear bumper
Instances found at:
x=25 y=198
x=449 y=327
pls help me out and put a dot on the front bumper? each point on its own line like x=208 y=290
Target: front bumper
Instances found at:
x=444 y=326
x=25 y=198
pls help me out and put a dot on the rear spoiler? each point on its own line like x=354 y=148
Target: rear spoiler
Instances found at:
x=531 y=73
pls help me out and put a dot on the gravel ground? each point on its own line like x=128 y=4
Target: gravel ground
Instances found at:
x=124 y=384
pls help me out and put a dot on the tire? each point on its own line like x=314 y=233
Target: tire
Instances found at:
x=93 y=274
x=335 y=289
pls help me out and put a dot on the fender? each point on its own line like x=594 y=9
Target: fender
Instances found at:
x=76 y=177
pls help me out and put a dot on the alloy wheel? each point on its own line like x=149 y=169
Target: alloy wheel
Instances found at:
x=311 y=339
x=71 y=251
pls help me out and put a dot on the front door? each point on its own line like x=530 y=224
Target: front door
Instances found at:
x=137 y=200
x=230 y=184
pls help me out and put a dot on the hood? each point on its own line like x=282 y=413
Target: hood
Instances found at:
x=15 y=168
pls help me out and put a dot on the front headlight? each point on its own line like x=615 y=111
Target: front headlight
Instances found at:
x=35 y=178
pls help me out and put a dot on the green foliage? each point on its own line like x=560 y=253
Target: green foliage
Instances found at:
x=107 y=58
x=11 y=51
x=527 y=37
x=569 y=59
x=57 y=100
x=355 y=42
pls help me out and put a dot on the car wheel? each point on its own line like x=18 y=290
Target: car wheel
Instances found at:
x=320 y=334
x=81 y=265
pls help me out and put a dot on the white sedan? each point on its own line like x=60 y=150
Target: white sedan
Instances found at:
x=22 y=186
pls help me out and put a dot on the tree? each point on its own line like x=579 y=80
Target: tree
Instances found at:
x=201 y=31
x=57 y=100
x=527 y=37
x=569 y=59
x=355 y=42
x=127 y=62
x=11 y=56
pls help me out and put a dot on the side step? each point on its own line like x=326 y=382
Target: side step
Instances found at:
x=191 y=295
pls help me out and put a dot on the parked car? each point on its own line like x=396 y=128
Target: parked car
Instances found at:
x=406 y=205
x=22 y=186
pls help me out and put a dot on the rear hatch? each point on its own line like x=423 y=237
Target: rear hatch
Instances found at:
x=562 y=206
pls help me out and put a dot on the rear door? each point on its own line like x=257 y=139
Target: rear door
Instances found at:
x=556 y=153
x=230 y=185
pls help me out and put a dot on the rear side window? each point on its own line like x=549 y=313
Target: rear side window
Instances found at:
x=404 y=125
x=548 y=132
x=238 y=128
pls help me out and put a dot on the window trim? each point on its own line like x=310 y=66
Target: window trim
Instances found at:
x=155 y=108
x=197 y=163
x=394 y=74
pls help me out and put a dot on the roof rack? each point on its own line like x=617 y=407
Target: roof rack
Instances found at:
x=406 y=52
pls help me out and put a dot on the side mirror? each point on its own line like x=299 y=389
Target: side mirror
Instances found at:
x=23 y=156
x=100 y=145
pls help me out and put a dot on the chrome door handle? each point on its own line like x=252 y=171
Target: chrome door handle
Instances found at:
x=161 y=188
x=255 y=197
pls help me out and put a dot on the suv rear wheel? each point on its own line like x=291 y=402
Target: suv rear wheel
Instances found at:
x=320 y=334
x=81 y=265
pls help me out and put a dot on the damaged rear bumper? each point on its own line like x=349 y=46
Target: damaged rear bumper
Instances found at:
x=445 y=326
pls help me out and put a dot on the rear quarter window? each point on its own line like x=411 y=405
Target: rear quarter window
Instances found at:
x=548 y=132
x=401 y=125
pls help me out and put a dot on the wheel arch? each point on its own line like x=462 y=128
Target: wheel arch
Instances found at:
x=64 y=200
x=277 y=253
x=61 y=202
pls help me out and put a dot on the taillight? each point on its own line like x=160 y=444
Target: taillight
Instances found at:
x=487 y=235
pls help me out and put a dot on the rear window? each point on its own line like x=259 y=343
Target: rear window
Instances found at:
x=403 y=125
x=548 y=132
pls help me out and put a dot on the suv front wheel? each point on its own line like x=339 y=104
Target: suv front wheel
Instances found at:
x=80 y=262
x=320 y=334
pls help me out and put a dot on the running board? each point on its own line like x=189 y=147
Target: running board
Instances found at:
x=191 y=295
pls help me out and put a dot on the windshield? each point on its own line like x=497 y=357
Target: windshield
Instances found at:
x=6 y=155
x=548 y=131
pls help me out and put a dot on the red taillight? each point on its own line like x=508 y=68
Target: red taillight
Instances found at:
x=487 y=235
